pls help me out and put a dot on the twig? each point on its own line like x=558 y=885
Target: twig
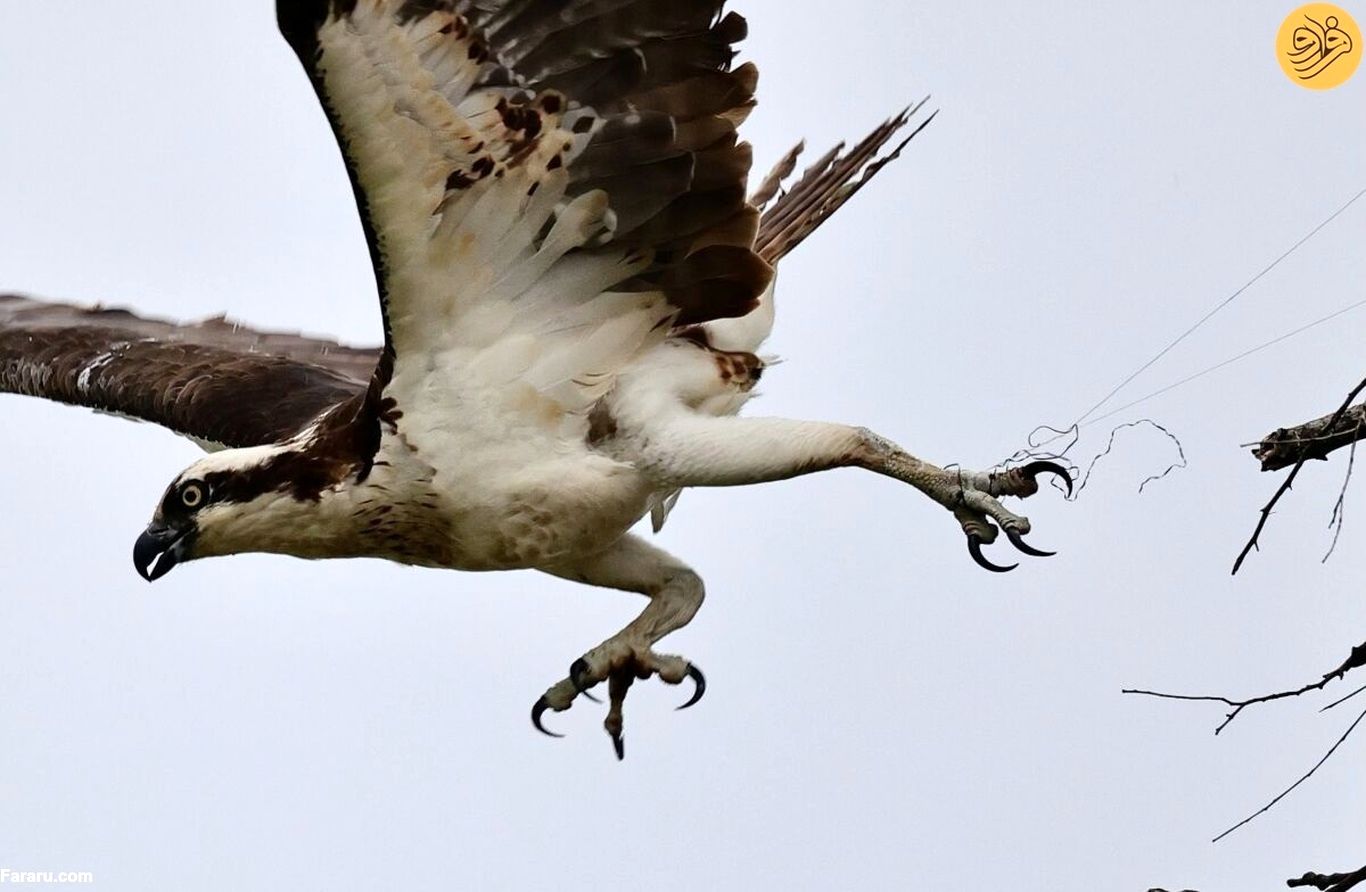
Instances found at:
x=1290 y=479
x=1341 y=700
x=1333 y=882
x=1287 y=791
x=1355 y=660
x=1340 y=507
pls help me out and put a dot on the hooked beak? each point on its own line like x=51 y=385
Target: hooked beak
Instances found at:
x=160 y=548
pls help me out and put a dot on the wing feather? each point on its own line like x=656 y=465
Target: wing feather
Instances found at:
x=824 y=186
x=214 y=380
x=506 y=152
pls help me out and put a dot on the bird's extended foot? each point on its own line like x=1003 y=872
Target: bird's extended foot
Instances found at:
x=975 y=503
x=618 y=662
x=972 y=496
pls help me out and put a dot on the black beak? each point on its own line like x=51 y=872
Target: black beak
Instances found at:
x=158 y=549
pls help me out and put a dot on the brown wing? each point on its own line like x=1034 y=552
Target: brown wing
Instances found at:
x=213 y=380
x=430 y=99
x=659 y=72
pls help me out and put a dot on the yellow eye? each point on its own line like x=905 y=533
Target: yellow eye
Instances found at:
x=192 y=494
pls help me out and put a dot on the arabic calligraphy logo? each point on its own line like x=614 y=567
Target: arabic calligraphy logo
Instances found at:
x=1319 y=46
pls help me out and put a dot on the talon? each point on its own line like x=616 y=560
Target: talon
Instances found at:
x=589 y=694
x=537 y=711
x=698 y=679
x=577 y=670
x=1035 y=468
x=618 y=683
x=975 y=549
x=1021 y=545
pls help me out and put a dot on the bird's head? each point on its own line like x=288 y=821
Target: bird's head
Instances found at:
x=230 y=502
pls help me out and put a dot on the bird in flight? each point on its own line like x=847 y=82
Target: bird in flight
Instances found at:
x=574 y=286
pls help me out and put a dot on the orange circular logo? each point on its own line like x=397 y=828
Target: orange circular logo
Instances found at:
x=1319 y=46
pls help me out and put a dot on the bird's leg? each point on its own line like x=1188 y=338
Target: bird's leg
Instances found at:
x=675 y=594
x=972 y=496
x=693 y=450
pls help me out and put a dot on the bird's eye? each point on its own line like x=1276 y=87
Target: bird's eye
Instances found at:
x=192 y=494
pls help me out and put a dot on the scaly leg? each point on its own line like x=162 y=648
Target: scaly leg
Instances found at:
x=689 y=449
x=675 y=594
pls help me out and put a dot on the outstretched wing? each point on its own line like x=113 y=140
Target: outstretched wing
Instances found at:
x=214 y=381
x=546 y=186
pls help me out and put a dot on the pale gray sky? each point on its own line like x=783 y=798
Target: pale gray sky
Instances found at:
x=881 y=713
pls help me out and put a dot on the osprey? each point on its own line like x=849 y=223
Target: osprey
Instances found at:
x=574 y=288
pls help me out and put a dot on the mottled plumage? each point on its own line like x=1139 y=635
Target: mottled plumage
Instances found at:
x=575 y=289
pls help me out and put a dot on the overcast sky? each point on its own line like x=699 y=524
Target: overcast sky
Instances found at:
x=881 y=712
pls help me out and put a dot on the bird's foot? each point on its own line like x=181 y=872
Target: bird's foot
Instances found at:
x=973 y=498
x=619 y=662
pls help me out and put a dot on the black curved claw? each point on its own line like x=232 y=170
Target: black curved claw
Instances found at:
x=537 y=711
x=619 y=744
x=975 y=549
x=698 y=679
x=1021 y=545
x=577 y=670
x=1035 y=468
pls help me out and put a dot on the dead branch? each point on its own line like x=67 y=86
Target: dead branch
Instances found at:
x=1332 y=882
x=1355 y=660
x=1339 y=516
x=1312 y=440
x=1333 y=421
x=1290 y=789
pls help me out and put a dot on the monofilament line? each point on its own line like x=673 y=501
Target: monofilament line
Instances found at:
x=1224 y=303
x=1228 y=362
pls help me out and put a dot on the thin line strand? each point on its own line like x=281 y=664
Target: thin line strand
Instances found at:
x=1227 y=362
x=1059 y=434
x=1224 y=303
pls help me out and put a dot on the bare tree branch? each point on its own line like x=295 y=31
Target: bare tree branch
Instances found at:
x=1341 y=700
x=1333 y=882
x=1290 y=789
x=1355 y=660
x=1313 y=439
x=1292 y=447
x=1304 y=456
x=1339 y=516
